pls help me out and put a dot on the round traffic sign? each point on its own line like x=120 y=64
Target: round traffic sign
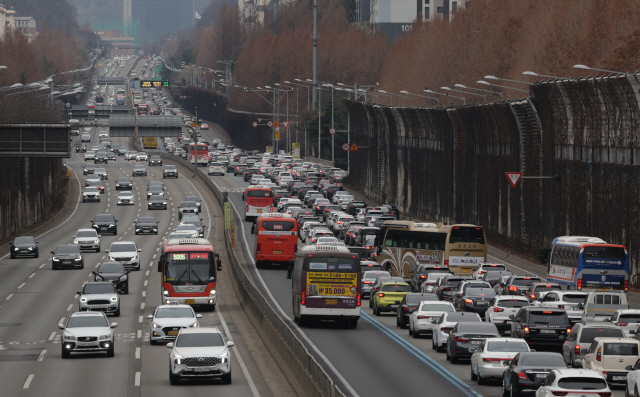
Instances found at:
x=255 y=123
x=345 y=147
x=270 y=123
x=332 y=131
x=277 y=129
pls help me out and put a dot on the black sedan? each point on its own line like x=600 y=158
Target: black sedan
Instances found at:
x=67 y=255
x=465 y=337
x=187 y=207
x=24 y=246
x=409 y=304
x=114 y=272
x=157 y=202
x=105 y=223
x=476 y=300
x=124 y=182
x=155 y=160
x=146 y=225
x=526 y=369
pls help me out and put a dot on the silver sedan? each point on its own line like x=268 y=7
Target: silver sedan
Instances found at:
x=167 y=320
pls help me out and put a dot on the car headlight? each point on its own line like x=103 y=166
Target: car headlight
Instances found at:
x=178 y=360
x=30 y=248
x=83 y=300
x=78 y=259
x=224 y=357
x=56 y=260
x=114 y=299
x=75 y=241
x=165 y=293
x=212 y=292
x=96 y=241
x=154 y=325
x=105 y=337
x=194 y=325
x=69 y=337
x=123 y=277
x=112 y=225
x=117 y=184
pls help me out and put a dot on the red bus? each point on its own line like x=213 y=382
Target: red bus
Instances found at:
x=143 y=109
x=276 y=239
x=203 y=154
x=189 y=272
x=259 y=201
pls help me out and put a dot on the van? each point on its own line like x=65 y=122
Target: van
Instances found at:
x=326 y=283
x=600 y=305
x=611 y=357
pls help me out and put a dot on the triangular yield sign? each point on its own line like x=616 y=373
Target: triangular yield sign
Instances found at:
x=259 y=120
x=353 y=147
x=514 y=178
x=285 y=124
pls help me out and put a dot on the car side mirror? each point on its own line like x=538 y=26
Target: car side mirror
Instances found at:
x=52 y=253
x=230 y=344
x=218 y=262
x=38 y=242
x=139 y=249
x=198 y=315
x=150 y=316
x=113 y=325
x=632 y=332
x=170 y=345
x=71 y=237
x=629 y=367
x=79 y=292
x=607 y=320
x=61 y=326
x=512 y=317
x=532 y=350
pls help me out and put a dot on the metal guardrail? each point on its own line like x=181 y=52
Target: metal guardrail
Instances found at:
x=303 y=371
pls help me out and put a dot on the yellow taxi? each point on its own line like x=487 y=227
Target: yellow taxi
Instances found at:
x=389 y=296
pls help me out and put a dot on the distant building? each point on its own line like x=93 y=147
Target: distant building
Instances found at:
x=26 y=25
x=395 y=17
x=6 y=21
x=159 y=17
x=118 y=44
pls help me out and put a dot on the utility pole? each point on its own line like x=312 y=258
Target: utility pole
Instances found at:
x=314 y=39
x=333 y=136
x=319 y=121
x=273 y=121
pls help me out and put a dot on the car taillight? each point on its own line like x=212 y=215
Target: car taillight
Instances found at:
x=446 y=262
x=626 y=289
x=446 y=330
x=599 y=355
x=424 y=317
x=406 y=309
x=446 y=289
x=247 y=210
x=605 y=394
x=513 y=288
x=381 y=295
x=622 y=323
x=576 y=350
x=560 y=306
x=481 y=271
x=568 y=330
x=533 y=296
x=559 y=393
x=526 y=330
x=522 y=375
x=303 y=299
x=366 y=282
x=498 y=309
x=258 y=247
x=491 y=359
x=461 y=339
x=272 y=208
x=468 y=301
x=579 y=284
x=358 y=300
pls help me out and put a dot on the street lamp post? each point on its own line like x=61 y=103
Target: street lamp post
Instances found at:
x=600 y=70
x=413 y=101
x=301 y=85
x=503 y=86
x=530 y=73
x=421 y=96
x=513 y=81
x=464 y=92
x=480 y=89
x=464 y=100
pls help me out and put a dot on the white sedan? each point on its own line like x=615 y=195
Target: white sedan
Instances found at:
x=489 y=358
x=125 y=198
x=188 y=228
x=445 y=324
x=422 y=320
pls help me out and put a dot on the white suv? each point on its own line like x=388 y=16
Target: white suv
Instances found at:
x=501 y=308
x=87 y=332
x=125 y=252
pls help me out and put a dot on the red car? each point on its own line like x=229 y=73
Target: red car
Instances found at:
x=99 y=185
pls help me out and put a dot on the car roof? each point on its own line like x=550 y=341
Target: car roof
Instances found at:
x=394 y=282
x=173 y=306
x=511 y=297
x=614 y=339
x=77 y=314
x=578 y=372
x=203 y=330
x=99 y=283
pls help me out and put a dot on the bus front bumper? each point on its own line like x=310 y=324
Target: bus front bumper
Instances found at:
x=330 y=313
x=190 y=300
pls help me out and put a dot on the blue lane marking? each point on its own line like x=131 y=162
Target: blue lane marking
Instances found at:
x=423 y=357
x=239 y=180
x=160 y=145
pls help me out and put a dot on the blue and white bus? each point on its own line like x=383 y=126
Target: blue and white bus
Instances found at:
x=588 y=264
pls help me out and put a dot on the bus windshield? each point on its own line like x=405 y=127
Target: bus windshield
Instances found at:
x=284 y=226
x=467 y=234
x=594 y=251
x=189 y=267
x=433 y=241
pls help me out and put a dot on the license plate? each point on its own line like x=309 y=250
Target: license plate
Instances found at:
x=331 y=301
x=190 y=301
x=541 y=376
x=475 y=342
x=277 y=252
x=466 y=270
x=547 y=331
x=619 y=378
x=259 y=211
x=482 y=303
x=86 y=343
x=99 y=307
x=201 y=369
x=393 y=306
x=172 y=333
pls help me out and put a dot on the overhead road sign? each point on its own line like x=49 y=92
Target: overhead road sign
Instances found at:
x=154 y=83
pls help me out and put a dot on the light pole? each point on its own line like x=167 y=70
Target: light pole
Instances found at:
x=301 y=85
x=421 y=96
x=600 y=70
x=314 y=39
x=297 y=92
x=413 y=101
x=464 y=92
x=480 y=89
x=2 y=67
x=513 y=81
x=503 y=86
x=529 y=73
x=464 y=100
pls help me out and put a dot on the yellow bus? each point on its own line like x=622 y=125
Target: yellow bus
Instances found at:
x=150 y=142
x=465 y=249
x=403 y=245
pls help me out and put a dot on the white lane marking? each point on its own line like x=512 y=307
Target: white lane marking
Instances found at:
x=147 y=273
x=41 y=356
x=83 y=284
x=70 y=307
x=277 y=305
x=245 y=370
x=21 y=285
x=137 y=379
x=142 y=306
x=150 y=264
x=139 y=334
x=61 y=320
x=32 y=274
x=146 y=282
x=9 y=297
x=97 y=264
x=28 y=382
x=75 y=296
x=137 y=353
x=144 y=294
x=43 y=265
x=140 y=319
x=154 y=257
x=53 y=335
x=157 y=249
x=104 y=256
x=90 y=274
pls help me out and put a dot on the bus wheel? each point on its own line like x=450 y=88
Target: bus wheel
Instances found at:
x=353 y=323
x=302 y=321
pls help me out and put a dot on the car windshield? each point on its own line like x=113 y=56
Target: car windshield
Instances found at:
x=87 y=233
x=575 y=298
x=549 y=360
x=87 y=321
x=175 y=312
x=103 y=218
x=208 y=339
x=507 y=346
x=98 y=288
x=170 y=167
x=629 y=318
x=621 y=349
x=527 y=281
x=480 y=292
x=513 y=303
x=187 y=204
x=123 y=247
x=548 y=317
x=111 y=268
x=192 y=198
x=123 y=180
x=186 y=227
x=540 y=288
x=436 y=307
x=138 y=167
x=125 y=194
x=67 y=249
x=589 y=334
x=24 y=240
x=145 y=219
x=462 y=317
x=370 y=275
x=395 y=288
x=582 y=383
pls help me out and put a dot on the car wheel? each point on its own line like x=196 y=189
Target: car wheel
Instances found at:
x=453 y=359
x=376 y=311
x=84 y=201
x=448 y=356
x=416 y=335
x=117 y=312
x=398 y=323
x=226 y=378
x=126 y=290
x=13 y=256
x=153 y=342
x=112 y=350
x=514 y=393
x=433 y=344
x=635 y=393
x=115 y=231
x=474 y=377
x=65 y=353
x=440 y=348
x=505 y=392
x=481 y=380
